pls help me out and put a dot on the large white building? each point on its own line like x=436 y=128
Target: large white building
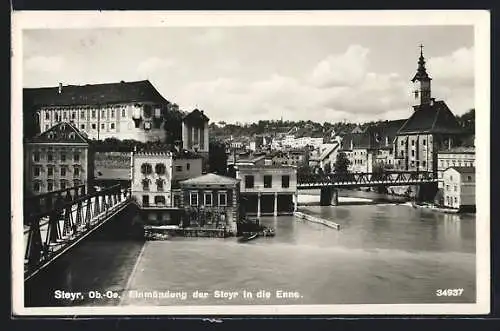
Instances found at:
x=125 y=110
x=454 y=157
x=459 y=187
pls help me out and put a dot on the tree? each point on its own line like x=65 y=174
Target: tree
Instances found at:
x=341 y=164
x=217 y=159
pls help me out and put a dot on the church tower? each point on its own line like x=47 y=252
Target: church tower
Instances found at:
x=422 y=81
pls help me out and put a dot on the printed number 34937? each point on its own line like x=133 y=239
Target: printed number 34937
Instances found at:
x=455 y=292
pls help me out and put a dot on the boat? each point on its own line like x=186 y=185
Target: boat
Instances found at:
x=248 y=237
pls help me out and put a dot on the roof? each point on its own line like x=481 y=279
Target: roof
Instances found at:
x=196 y=115
x=210 y=179
x=61 y=133
x=455 y=150
x=112 y=174
x=92 y=94
x=431 y=118
x=267 y=166
x=463 y=170
x=328 y=150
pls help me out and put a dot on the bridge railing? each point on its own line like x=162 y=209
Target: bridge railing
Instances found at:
x=357 y=178
x=48 y=232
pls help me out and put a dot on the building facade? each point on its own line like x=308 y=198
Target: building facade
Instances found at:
x=211 y=201
x=151 y=180
x=56 y=159
x=268 y=190
x=459 y=187
x=185 y=165
x=431 y=128
x=125 y=110
x=195 y=132
x=455 y=157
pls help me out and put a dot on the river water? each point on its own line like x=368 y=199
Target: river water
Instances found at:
x=383 y=254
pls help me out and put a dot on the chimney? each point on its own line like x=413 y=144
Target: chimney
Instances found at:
x=60 y=88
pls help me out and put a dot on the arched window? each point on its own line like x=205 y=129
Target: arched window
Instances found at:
x=159 y=184
x=160 y=169
x=146 y=168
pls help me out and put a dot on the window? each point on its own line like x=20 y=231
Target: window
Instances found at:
x=76 y=182
x=188 y=166
x=103 y=114
x=36 y=171
x=76 y=157
x=424 y=142
x=469 y=178
x=412 y=163
x=145 y=200
x=402 y=153
x=112 y=126
x=63 y=157
x=49 y=156
x=208 y=199
x=36 y=156
x=285 y=181
x=147 y=126
x=123 y=113
x=455 y=188
x=112 y=113
x=63 y=184
x=177 y=200
x=193 y=199
x=418 y=164
x=249 y=181
x=423 y=164
x=47 y=115
x=178 y=168
x=160 y=169
x=93 y=126
x=268 y=181
x=413 y=142
x=102 y=126
x=76 y=172
x=160 y=200
x=146 y=168
x=63 y=171
x=447 y=187
x=93 y=113
x=222 y=199
x=159 y=184
x=451 y=177
x=50 y=171
x=455 y=199
x=36 y=187
x=50 y=186
x=82 y=114
x=412 y=152
x=402 y=142
x=145 y=184
x=65 y=115
x=73 y=115
x=82 y=126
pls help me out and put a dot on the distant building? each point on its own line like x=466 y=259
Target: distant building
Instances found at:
x=455 y=157
x=460 y=187
x=124 y=110
x=195 y=132
x=211 y=201
x=268 y=190
x=56 y=159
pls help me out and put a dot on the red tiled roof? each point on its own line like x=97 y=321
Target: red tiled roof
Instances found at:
x=92 y=94
x=434 y=118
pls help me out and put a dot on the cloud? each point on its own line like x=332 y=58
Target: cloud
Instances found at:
x=209 y=36
x=153 y=64
x=347 y=69
x=456 y=69
x=41 y=63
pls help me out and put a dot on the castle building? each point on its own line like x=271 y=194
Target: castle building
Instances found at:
x=431 y=128
x=124 y=110
x=56 y=159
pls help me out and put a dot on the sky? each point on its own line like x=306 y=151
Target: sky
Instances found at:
x=245 y=74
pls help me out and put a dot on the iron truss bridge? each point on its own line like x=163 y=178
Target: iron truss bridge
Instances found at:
x=353 y=180
x=56 y=221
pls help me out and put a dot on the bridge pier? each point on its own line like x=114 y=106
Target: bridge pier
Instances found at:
x=329 y=196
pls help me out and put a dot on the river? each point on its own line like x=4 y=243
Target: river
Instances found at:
x=383 y=254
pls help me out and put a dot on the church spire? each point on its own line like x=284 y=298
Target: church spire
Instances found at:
x=422 y=80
